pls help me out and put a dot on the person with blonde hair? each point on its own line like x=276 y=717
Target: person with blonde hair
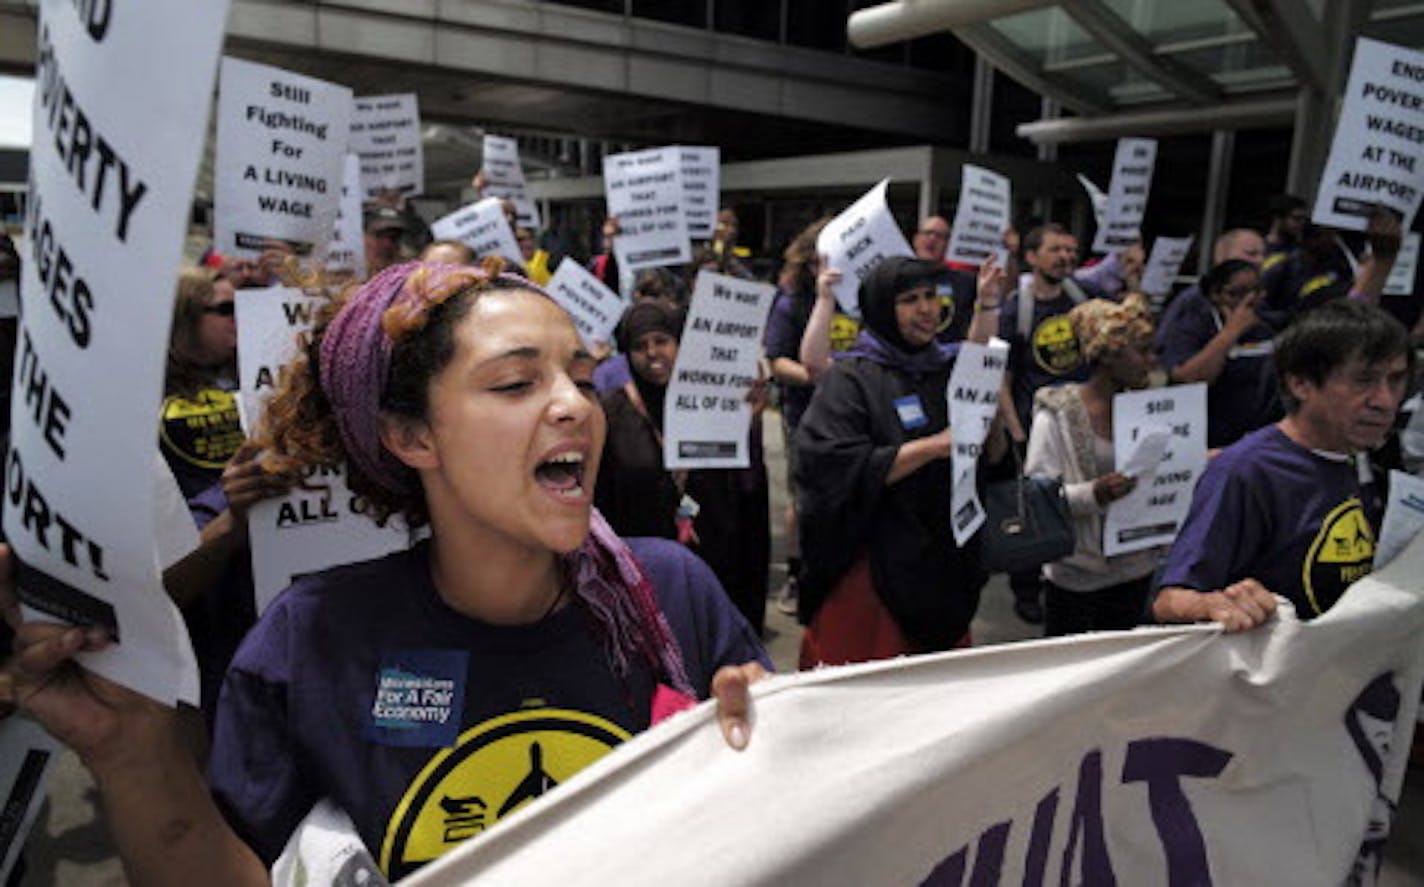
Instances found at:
x=1072 y=439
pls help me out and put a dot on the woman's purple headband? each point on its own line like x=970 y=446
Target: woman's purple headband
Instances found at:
x=356 y=352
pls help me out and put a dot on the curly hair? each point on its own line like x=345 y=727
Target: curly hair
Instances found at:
x=1104 y=327
x=423 y=307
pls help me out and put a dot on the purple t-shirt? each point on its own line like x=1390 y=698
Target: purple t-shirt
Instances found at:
x=361 y=685
x=1269 y=509
x=1050 y=355
x=785 y=326
x=1243 y=398
x=612 y=374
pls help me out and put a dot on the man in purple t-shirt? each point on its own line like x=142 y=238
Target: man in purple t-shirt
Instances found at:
x=1282 y=512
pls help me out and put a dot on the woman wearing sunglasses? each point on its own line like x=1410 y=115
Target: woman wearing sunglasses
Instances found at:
x=1218 y=338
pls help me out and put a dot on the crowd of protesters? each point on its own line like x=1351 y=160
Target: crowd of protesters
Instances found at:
x=463 y=402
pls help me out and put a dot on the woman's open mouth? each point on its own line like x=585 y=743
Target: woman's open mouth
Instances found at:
x=562 y=476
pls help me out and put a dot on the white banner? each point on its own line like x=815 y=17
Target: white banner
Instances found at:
x=1161 y=756
x=385 y=132
x=985 y=202
x=858 y=239
x=483 y=227
x=346 y=254
x=119 y=117
x=706 y=415
x=1401 y=275
x=281 y=145
x=27 y=754
x=1163 y=264
x=973 y=393
x=1159 y=438
x=308 y=529
x=504 y=178
x=1376 y=156
x=594 y=308
x=644 y=191
x=701 y=184
x=1121 y=225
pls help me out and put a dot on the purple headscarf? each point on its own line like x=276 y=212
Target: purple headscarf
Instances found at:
x=355 y=359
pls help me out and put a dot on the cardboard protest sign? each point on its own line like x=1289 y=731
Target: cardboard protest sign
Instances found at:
x=1172 y=755
x=308 y=529
x=1097 y=197
x=346 y=253
x=119 y=116
x=982 y=216
x=858 y=239
x=385 y=133
x=1121 y=224
x=701 y=181
x=1163 y=264
x=281 y=145
x=1377 y=156
x=504 y=176
x=706 y=415
x=1401 y=276
x=644 y=191
x=27 y=754
x=594 y=308
x=973 y=392
x=1153 y=512
x=483 y=227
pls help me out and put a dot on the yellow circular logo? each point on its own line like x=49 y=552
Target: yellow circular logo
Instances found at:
x=202 y=430
x=1055 y=348
x=844 y=329
x=1343 y=551
x=493 y=769
x=946 y=308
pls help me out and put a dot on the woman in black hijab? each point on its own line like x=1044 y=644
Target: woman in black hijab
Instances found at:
x=720 y=513
x=881 y=574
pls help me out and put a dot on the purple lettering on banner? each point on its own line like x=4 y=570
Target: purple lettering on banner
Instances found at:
x=989 y=857
x=1087 y=822
x=949 y=873
x=1161 y=763
x=1037 y=859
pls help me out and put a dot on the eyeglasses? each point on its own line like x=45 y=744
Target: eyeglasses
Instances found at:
x=930 y=232
x=221 y=309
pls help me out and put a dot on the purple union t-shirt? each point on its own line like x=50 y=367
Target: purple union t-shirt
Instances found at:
x=1269 y=509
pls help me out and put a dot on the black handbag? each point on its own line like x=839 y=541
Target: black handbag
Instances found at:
x=1027 y=524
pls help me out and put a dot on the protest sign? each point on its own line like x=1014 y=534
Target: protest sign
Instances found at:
x=1173 y=755
x=1376 y=156
x=281 y=145
x=1097 y=197
x=701 y=182
x=308 y=529
x=1163 y=264
x=707 y=417
x=483 y=227
x=385 y=133
x=858 y=239
x=119 y=116
x=346 y=254
x=1121 y=223
x=1403 y=516
x=27 y=754
x=973 y=393
x=644 y=191
x=594 y=308
x=981 y=217
x=1401 y=276
x=504 y=178
x=1153 y=512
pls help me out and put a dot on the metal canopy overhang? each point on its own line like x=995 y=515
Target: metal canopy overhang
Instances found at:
x=1285 y=45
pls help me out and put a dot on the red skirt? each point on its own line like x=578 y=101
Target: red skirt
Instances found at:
x=853 y=625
